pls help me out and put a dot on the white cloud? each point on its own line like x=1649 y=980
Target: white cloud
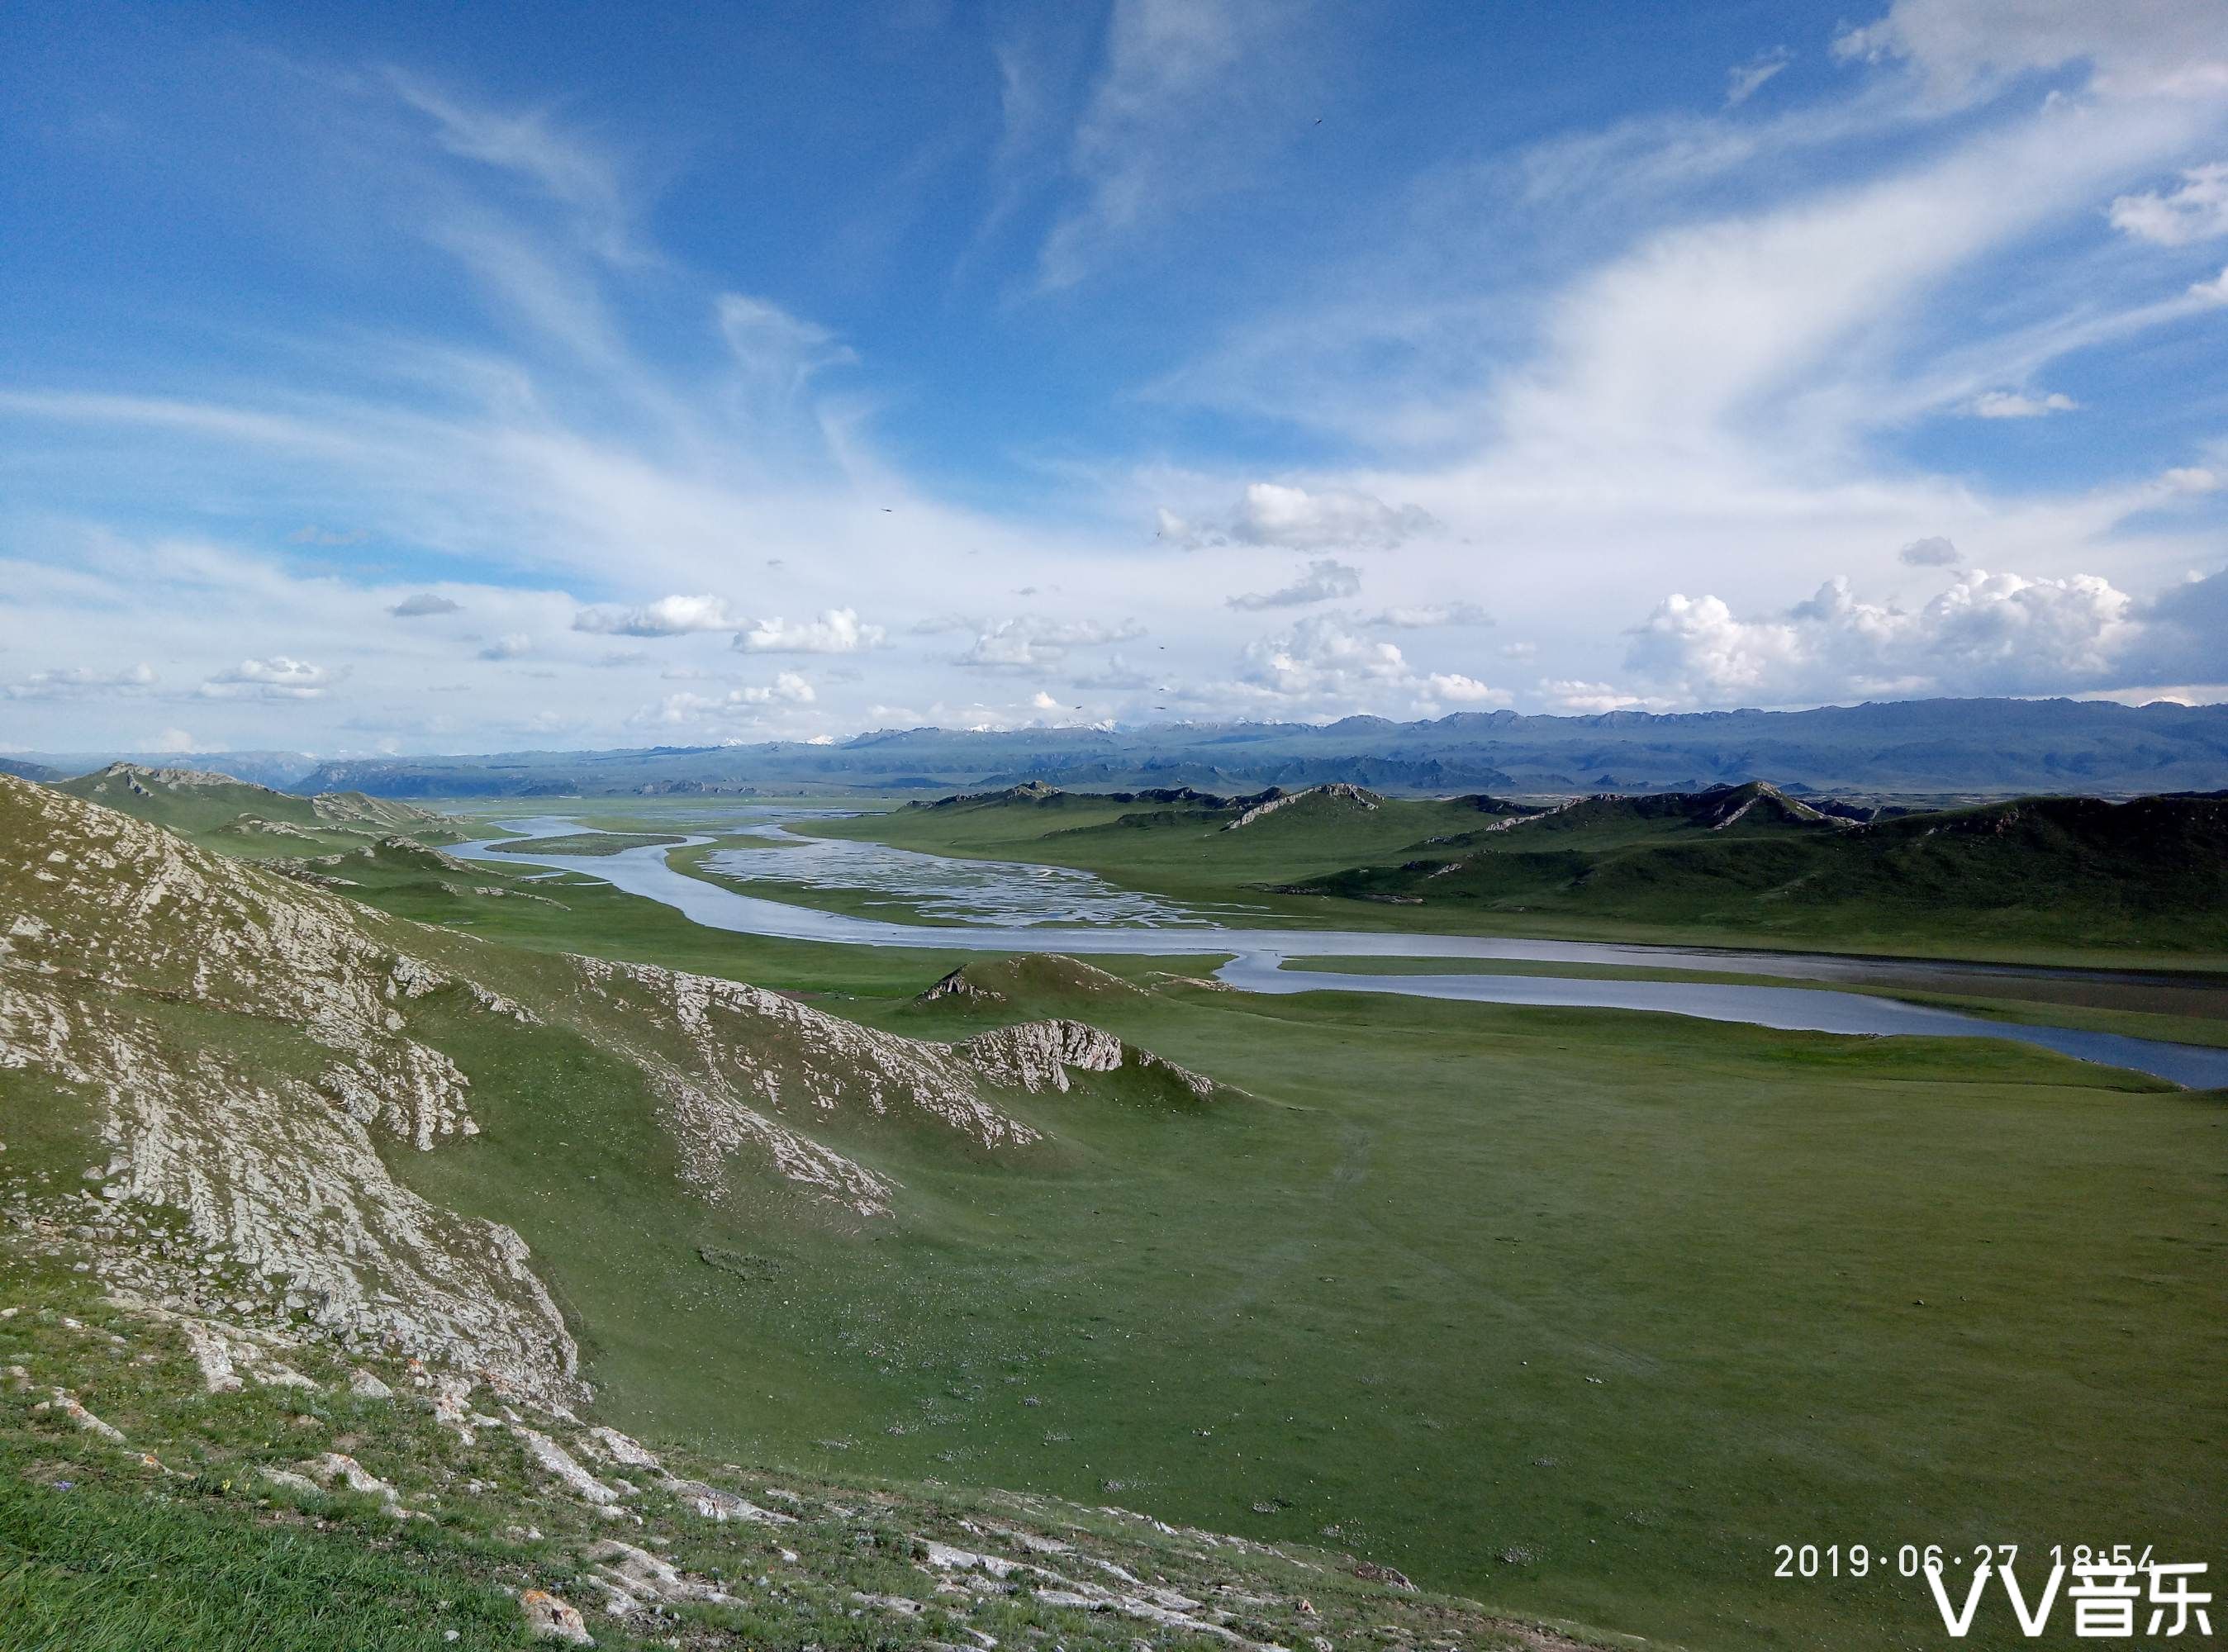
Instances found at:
x=511 y=645
x=2135 y=48
x=2197 y=211
x=1321 y=659
x=1462 y=690
x=62 y=683
x=2189 y=479
x=1326 y=580
x=423 y=606
x=2011 y=404
x=1988 y=634
x=836 y=631
x=780 y=351
x=1028 y=641
x=1743 y=81
x=280 y=677
x=173 y=742
x=1428 y=616
x=788 y=689
x=1271 y=513
x=2213 y=291
x=667 y=616
x=1194 y=95
x=1591 y=699
x=1932 y=552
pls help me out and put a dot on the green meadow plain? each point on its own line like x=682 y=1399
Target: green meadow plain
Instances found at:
x=1581 y=1313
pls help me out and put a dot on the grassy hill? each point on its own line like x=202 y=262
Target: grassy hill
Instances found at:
x=1576 y=1313
x=2149 y=875
x=2039 y=877
x=281 y=1148
x=252 y=819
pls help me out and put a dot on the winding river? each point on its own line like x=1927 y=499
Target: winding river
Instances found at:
x=1009 y=907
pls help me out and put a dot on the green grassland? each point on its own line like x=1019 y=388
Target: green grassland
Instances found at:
x=239 y=817
x=175 y=1542
x=1579 y=1313
x=2054 y=881
x=1385 y=1285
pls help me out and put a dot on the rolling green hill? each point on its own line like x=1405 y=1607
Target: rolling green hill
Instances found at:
x=281 y=1148
x=2150 y=874
x=1576 y=1312
x=255 y=820
x=2038 y=877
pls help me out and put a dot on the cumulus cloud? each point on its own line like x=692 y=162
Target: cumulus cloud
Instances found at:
x=1933 y=552
x=667 y=616
x=1296 y=519
x=1988 y=634
x=2197 y=211
x=509 y=646
x=2011 y=404
x=173 y=742
x=2187 y=631
x=787 y=688
x=280 y=677
x=1030 y=640
x=1429 y=616
x=64 y=682
x=1462 y=690
x=836 y=631
x=1319 y=658
x=1325 y=580
x=423 y=606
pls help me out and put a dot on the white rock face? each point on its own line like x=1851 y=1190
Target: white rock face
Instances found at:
x=249 y=1045
x=277 y=1172
x=1342 y=791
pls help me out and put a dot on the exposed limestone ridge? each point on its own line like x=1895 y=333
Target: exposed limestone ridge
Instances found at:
x=139 y=775
x=1039 y=1055
x=1338 y=791
x=275 y=1169
x=1737 y=801
x=756 y=1053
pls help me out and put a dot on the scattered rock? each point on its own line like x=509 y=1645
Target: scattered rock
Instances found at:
x=548 y=1619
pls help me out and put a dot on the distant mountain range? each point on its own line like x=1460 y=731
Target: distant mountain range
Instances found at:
x=1933 y=748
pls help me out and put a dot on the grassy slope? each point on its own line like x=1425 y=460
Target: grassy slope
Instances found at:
x=2052 y=889
x=101 y=1552
x=211 y=810
x=1381 y=1287
x=1434 y=1224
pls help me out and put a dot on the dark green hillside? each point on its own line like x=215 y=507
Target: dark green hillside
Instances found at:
x=2039 y=878
x=1192 y=844
x=2069 y=871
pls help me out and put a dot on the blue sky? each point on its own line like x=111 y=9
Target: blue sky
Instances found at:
x=431 y=377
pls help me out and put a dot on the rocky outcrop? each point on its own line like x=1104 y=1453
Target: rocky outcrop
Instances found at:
x=958 y=986
x=1332 y=791
x=1041 y=1055
x=272 y=1165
